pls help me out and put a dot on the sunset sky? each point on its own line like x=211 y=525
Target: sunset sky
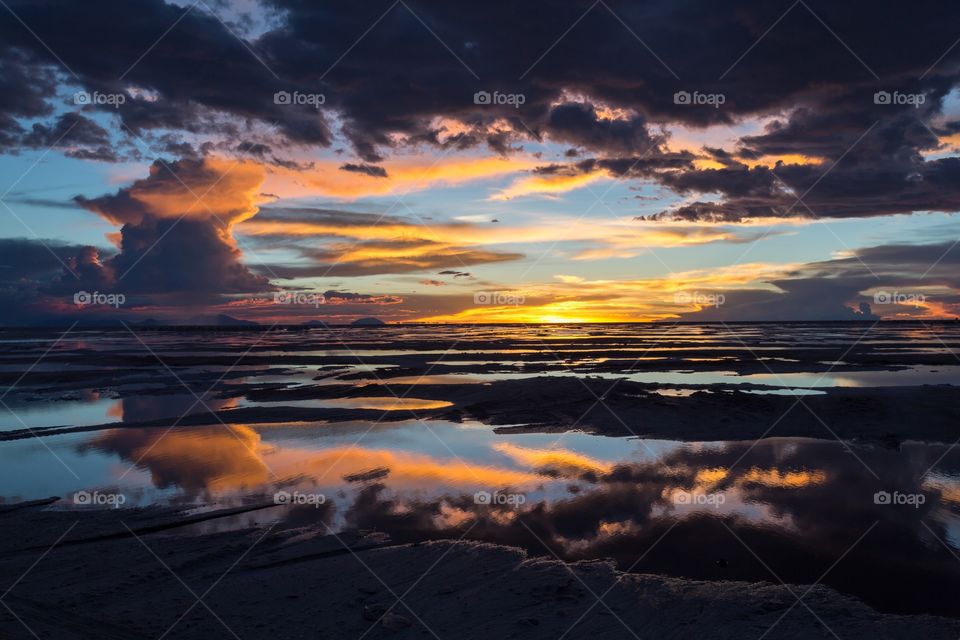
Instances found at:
x=535 y=161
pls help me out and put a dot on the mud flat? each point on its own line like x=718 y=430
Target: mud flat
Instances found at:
x=882 y=383
x=278 y=579
x=888 y=415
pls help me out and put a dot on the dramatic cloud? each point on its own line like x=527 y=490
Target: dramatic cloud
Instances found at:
x=810 y=299
x=739 y=115
x=38 y=279
x=362 y=243
x=77 y=136
x=177 y=228
x=208 y=190
x=814 y=66
x=349 y=297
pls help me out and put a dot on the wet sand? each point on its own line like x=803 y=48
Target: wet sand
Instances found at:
x=887 y=416
x=130 y=573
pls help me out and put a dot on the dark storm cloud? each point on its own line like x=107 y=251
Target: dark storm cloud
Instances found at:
x=197 y=69
x=32 y=260
x=26 y=89
x=804 y=299
x=898 y=265
x=192 y=258
x=578 y=124
x=650 y=165
x=601 y=76
x=880 y=173
x=39 y=278
x=799 y=64
x=76 y=135
x=834 y=289
x=256 y=149
x=371 y=170
x=349 y=297
x=153 y=271
x=331 y=217
x=175 y=237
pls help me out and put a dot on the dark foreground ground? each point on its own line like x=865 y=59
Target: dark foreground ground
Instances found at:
x=140 y=574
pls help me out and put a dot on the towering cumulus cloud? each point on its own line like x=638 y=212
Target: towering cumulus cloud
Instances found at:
x=177 y=228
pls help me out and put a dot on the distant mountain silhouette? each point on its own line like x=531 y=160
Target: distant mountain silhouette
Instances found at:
x=223 y=320
x=368 y=322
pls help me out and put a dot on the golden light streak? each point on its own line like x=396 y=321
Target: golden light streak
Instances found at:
x=404 y=175
x=548 y=185
x=581 y=301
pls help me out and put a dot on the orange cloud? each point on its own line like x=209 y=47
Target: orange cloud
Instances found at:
x=625 y=235
x=548 y=184
x=224 y=190
x=404 y=175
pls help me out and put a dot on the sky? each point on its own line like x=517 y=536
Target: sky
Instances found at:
x=285 y=161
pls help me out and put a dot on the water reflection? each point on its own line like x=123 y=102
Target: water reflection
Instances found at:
x=204 y=460
x=382 y=403
x=798 y=504
x=86 y=408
